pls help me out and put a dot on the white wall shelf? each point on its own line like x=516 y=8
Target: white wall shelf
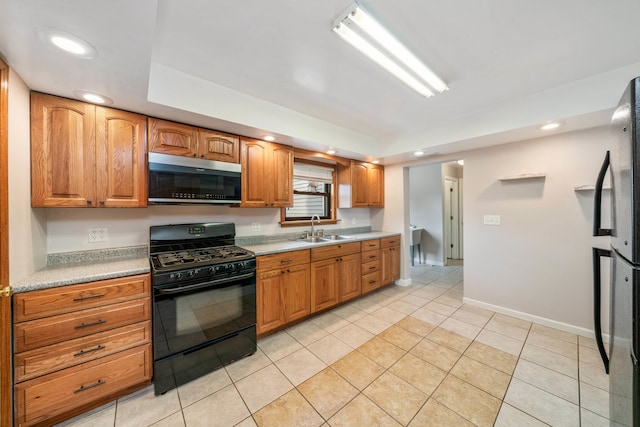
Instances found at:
x=588 y=187
x=540 y=175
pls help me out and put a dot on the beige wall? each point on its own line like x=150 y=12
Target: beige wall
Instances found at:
x=537 y=263
x=27 y=227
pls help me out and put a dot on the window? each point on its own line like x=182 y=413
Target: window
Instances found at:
x=313 y=188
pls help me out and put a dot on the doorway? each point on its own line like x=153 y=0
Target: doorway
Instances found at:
x=435 y=205
x=452 y=218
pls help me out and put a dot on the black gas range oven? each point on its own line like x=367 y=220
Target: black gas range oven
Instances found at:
x=204 y=301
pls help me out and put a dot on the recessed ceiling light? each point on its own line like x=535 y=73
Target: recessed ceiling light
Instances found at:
x=461 y=162
x=550 y=125
x=418 y=153
x=269 y=138
x=331 y=151
x=67 y=42
x=375 y=162
x=93 y=97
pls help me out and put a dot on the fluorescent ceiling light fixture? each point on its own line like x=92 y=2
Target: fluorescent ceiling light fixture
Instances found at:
x=67 y=42
x=362 y=31
x=93 y=97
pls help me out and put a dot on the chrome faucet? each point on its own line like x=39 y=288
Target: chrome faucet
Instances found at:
x=313 y=233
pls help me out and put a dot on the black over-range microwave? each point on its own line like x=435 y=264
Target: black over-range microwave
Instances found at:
x=186 y=180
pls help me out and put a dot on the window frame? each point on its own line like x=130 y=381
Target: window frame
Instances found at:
x=333 y=198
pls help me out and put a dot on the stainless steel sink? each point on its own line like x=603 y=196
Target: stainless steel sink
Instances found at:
x=331 y=238
x=336 y=237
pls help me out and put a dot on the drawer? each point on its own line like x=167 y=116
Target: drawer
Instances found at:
x=65 y=299
x=63 y=327
x=46 y=397
x=387 y=242
x=332 y=251
x=41 y=361
x=369 y=245
x=370 y=256
x=284 y=259
x=370 y=267
x=370 y=281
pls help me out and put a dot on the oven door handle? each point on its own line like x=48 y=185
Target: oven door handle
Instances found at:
x=170 y=291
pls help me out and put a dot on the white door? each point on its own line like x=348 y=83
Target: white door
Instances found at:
x=451 y=218
x=460 y=218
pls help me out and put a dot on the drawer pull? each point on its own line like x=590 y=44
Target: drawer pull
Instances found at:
x=91 y=350
x=285 y=260
x=372 y=256
x=83 y=388
x=372 y=268
x=371 y=282
x=82 y=298
x=84 y=325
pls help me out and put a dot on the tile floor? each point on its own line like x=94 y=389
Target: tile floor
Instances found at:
x=410 y=356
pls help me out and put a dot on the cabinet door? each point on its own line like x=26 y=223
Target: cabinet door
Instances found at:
x=281 y=182
x=218 y=146
x=376 y=186
x=390 y=260
x=395 y=263
x=360 y=182
x=62 y=152
x=121 y=167
x=172 y=138
x=254 y=158
x=297 y=298
x=348 y=277
x=324 y=292
x=269 y=299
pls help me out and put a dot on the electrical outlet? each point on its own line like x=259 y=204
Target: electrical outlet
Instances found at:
x=97 y=235
x=255 y=226
x=492 y=220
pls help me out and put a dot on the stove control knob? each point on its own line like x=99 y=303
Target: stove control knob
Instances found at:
x=212 y=270
x=190 y=273
x=178 y=276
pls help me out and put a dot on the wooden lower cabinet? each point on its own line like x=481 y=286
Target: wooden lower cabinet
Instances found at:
x=80 y=346
x=335 y=279
x=282 y=289
x=324 y=289
x=390 y=259
x=294 y=285
x=41 y=401
x=371 y=265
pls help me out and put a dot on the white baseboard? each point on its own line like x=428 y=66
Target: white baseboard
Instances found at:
x=403 y=282
x=588 y=333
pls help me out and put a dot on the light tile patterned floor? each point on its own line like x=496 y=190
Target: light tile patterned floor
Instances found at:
x=410 y=356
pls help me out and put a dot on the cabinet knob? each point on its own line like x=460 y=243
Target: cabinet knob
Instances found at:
x=89 y=202
x=195 y=155
x=102 y=202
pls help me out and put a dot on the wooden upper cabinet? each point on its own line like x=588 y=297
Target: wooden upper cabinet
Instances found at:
x=267 y=174
x=189 y=141
x=360 y=185
x=121 y=158
x=86 y=156
x=172 y=138
x=281 y=175
x=218 y=146
x=62 y=152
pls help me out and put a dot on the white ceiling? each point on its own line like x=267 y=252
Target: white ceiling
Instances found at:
x=255 y=67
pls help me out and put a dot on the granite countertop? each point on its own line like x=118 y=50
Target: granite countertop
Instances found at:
x=292 y=245
x=87 y=266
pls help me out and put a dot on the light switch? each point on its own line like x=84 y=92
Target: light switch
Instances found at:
x=492 y=220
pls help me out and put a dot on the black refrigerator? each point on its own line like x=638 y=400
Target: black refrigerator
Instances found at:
x=624 y=344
